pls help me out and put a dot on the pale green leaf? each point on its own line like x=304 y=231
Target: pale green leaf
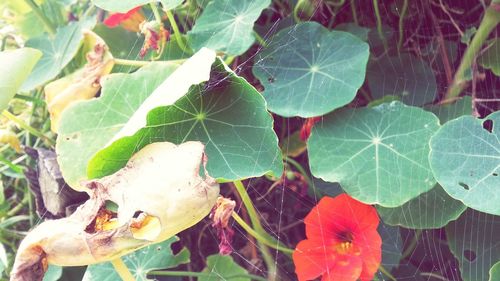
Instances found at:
x=227 y=25
x=432 y=209
x=473 y=239
x=15 y=67
x=465 y=159
x=448 y=112
x=378 y=155
x=140 y=262
x=307 y=70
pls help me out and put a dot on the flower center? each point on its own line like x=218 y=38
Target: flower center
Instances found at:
x=345 y=245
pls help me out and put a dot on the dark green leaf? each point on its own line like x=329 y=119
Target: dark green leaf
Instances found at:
x=223 y=268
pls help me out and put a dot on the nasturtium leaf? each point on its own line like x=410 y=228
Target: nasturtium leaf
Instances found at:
x=88 y=126
x=405 y=75
x=490 y=59
x=307 y=70
x=140 y=262
x=124 y=6
x=451 y=111
x=227 y=26
x=495 y=272
x=432 y=209
x=57 y=53
x=53 y=273
x=223 y=268
x=378 y=154
x=465 y=159
x=225 y=113
x=15 y=67
x=473 y=239
x=392 y=245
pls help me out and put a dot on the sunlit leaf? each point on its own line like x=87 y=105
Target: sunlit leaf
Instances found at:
x=307 y=70
x=57 y=53
x=465 y=159
x=432 y=209
x=140 y=262
x=124 y=6
x=405 y=75
x=15 y=67
x=473 y=239
x=378 y=155
x=227 y=25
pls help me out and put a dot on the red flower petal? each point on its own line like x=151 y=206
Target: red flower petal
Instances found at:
x=115 y=19
x=342 y=213
x=370 y=244
x=312 y=259
x=347 y=270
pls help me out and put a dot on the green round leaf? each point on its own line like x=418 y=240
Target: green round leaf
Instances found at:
x=495 y=272
x=227 y=26
x=123 y=6
x=354 y=29
x=88 y=126
x=378 y=155
x=57 y=53
x=307 y=70
x=405 y=76
x=140 y=262
x=226 y=114
x=223 y=268
x=432 y=209
x=15 y=67
x=465 y=159
x=392 y=245
x=451 y=111
x=473 y=239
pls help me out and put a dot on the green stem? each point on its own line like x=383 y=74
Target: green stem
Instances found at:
x=488 y=23
x=387 y=273
x=46 y=22
x=254 y=218
x=156 y=13
x=412 y=245
x=354 y=13
x=259 y=39
x=177 y=33
x=19 y=206
x=205 y=274
x=401 y=24
x=140 y=63
x=259 y=237
x=379 y=25
x=122 y=270
x=299 y=168
x=27 y=127
x=11 y=165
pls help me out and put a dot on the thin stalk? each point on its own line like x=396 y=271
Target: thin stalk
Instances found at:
x=379 y=25
x=401 y=24
x=11 y=165
x=46 y=22
x=254 y=218
x=299 y=168
x=387 y=273
x=259 y=237
x=490 y=20
x=354 y=13
x=205 y=274
x=122 y=270
x=19 y=206
x=156 y=13
x=412 y=245
x=27 y=127
x=177 y=33
x=259 y=39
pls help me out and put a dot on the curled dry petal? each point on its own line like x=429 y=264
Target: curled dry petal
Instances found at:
x=159 y=193
x=221 y=214
x=83 y=84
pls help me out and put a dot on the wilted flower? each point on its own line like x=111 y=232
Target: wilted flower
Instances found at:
x=155 y=37
x=342 y=241
x=129 y=20
x=220 y=216
x=159 y=193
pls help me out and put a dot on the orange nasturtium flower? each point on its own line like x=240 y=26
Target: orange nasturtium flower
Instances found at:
x=129 y=20
x=342 y=241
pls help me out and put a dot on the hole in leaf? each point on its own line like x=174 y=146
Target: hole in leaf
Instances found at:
x=270 y=79
x=488 y=125
x=495 y=174
x=470 y=255
x=465 y=186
